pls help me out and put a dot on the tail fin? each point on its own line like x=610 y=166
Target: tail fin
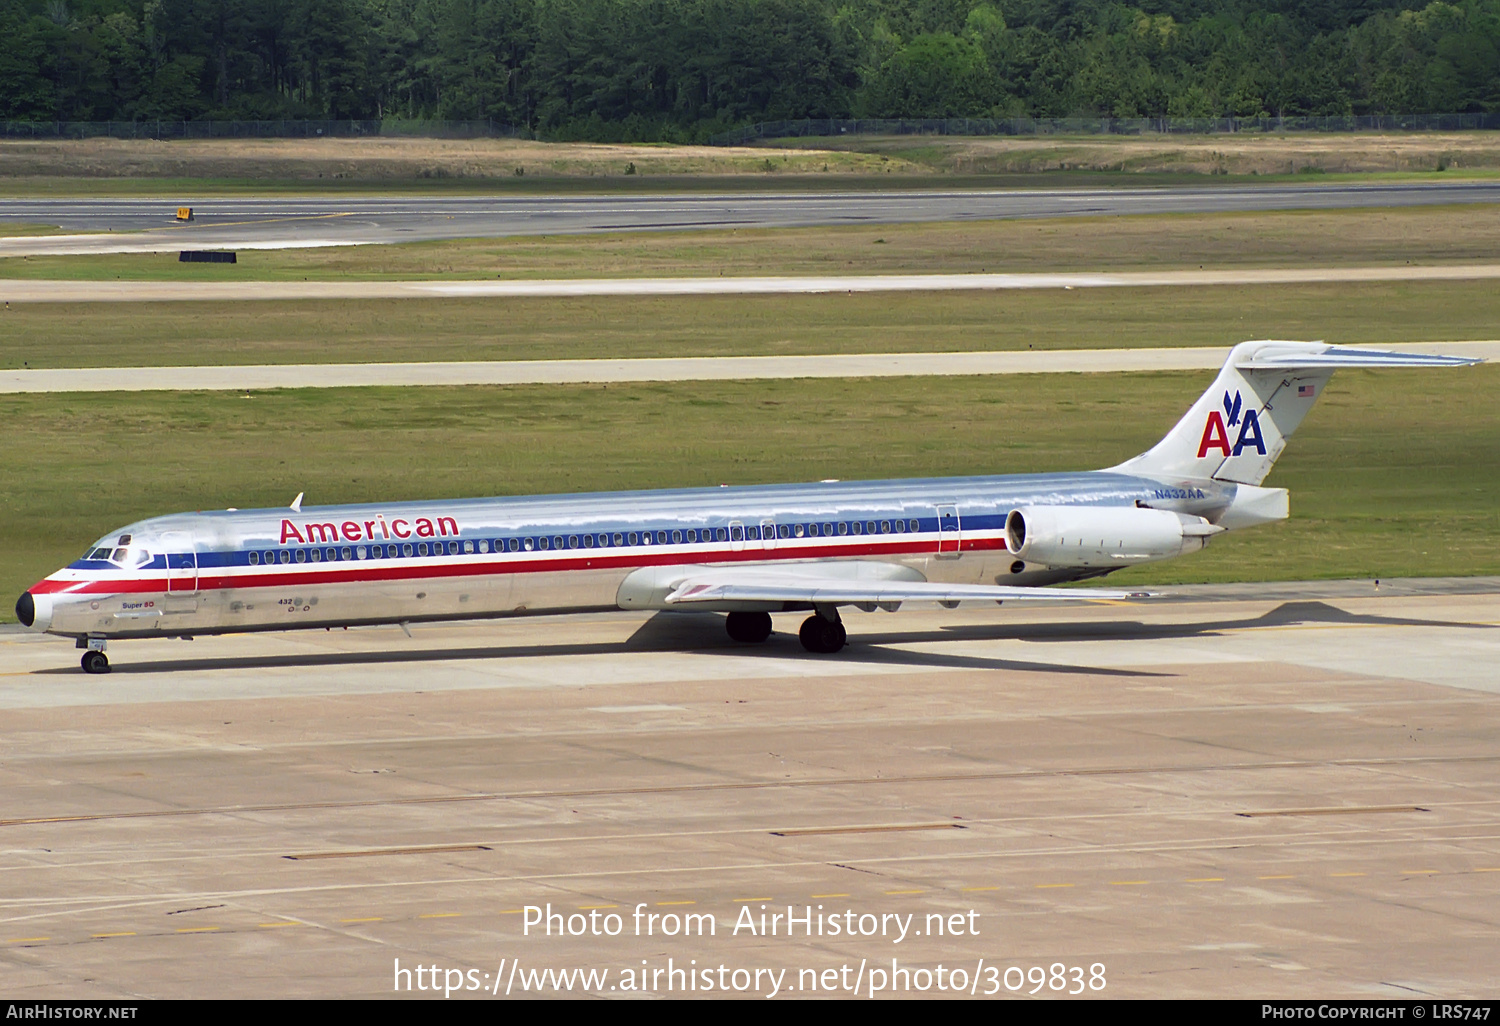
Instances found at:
x=1238 y=428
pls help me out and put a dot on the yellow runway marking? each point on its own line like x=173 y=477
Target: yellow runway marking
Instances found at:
x=986 y=888
x=828 y=895
x=1128 y=883
x=1348 y=874
x=1044 y=886
x=1206 y=879
x=26 y=940
x=511 y=911
x=1488 y=869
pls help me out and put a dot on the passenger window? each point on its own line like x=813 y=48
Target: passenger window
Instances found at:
x=619 y=538
x=286 y=556
x=406 y=549
x=254 y=558
x=359 y=552
x=588 y=541
x=302 y=555
x=572 y=541
x=737 y=533
x=348 y=552
x=885 y=527
x=723 y=535
x=333 y=555
x=317 y=555
x=676 y=537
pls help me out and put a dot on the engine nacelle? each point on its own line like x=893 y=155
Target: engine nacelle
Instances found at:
x=1102 y=536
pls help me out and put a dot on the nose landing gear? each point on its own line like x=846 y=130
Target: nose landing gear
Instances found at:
x=94 y=660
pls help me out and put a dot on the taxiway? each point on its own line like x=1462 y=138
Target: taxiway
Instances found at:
x=1273 y=790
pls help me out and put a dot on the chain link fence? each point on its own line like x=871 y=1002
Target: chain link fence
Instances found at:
x=288 y=129
x=1105 y=126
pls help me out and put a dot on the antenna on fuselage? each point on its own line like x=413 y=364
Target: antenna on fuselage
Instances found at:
x=297 y=503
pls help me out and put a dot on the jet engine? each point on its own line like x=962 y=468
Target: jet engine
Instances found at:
x=1102 y=536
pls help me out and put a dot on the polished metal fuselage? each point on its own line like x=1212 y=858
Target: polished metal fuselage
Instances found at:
x=276 y=569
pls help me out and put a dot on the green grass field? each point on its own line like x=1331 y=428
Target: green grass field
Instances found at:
x=140 y=334
x=1393 y=474
x=1426 y=235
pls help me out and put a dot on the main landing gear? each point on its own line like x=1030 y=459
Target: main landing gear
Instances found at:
x=823 y=632
x=750 y=627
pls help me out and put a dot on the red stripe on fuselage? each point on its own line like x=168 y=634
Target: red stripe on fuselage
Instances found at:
x=373 y=570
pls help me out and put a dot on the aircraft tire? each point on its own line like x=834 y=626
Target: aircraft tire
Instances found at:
x=748 y=627
x=95 y=662
x=822 y=636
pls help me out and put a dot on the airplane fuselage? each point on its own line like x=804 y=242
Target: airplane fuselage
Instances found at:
x=276 y=569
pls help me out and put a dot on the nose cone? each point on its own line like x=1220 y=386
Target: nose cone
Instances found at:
x=26 y=609
x=34 y=611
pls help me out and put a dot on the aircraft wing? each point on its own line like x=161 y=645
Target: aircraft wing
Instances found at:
x=706 y=588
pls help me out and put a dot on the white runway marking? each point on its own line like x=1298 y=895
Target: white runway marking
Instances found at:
x=705 y=368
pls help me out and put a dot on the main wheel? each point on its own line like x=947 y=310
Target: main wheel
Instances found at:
x=822 y=636
x=95 y=662
x=751 y=627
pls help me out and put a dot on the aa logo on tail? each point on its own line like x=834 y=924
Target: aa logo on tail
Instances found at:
x=1216 y=434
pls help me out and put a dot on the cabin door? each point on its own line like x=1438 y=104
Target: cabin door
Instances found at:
x=182 y=563
x=950 y=532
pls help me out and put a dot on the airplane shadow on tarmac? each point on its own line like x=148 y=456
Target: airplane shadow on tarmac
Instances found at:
x=704 y=633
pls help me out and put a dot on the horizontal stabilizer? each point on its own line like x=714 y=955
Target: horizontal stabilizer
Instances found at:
x=1298 y=355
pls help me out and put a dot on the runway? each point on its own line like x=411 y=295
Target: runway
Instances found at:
x=703 y=368
x=280 y=222
x=1267 y=791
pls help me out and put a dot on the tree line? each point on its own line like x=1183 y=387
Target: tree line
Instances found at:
x=680 y=70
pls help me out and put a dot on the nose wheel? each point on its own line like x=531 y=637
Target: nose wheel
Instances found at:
x=95 y=662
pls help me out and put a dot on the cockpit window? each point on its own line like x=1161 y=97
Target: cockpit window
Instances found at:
x=119 y=556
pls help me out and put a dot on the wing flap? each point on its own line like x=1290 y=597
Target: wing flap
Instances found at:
x=705 y=589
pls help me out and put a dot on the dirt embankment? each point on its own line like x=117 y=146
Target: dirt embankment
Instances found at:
x=1238 y=153
x=406 y=159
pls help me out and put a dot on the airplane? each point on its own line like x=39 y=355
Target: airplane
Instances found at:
x=745 y=551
